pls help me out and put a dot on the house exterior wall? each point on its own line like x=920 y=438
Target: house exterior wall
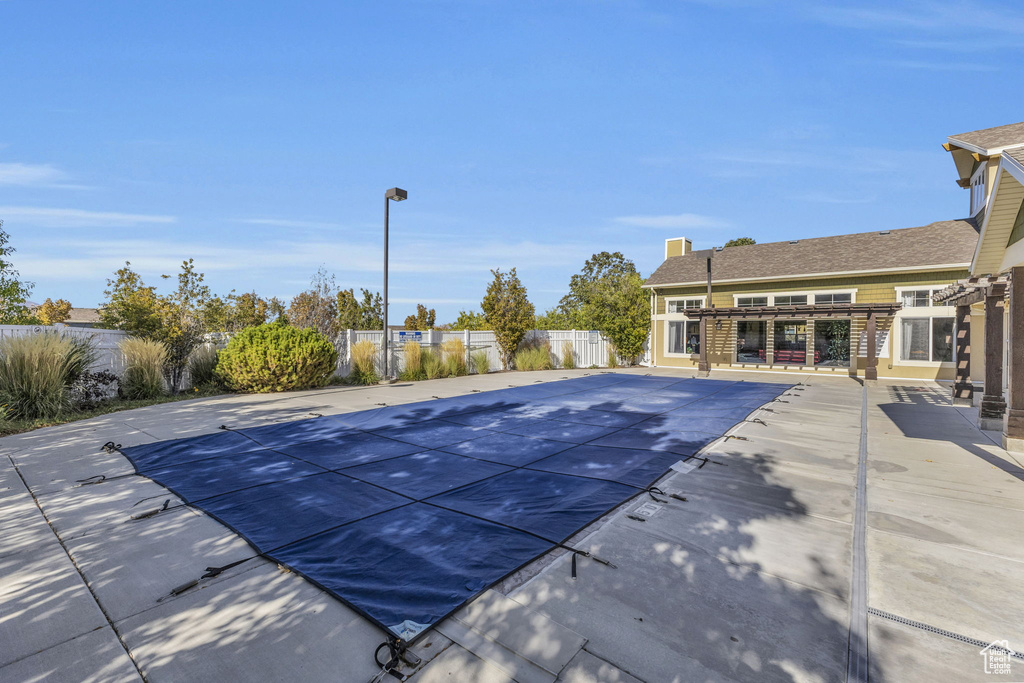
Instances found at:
x=880 y=288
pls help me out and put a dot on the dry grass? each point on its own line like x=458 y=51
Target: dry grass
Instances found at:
x=36 y=373
x=143 y=376
x=364 y=363
x=453 y=351
x=613 y=357
x=568 y=355
x=481 y=362
x=202 y=365
x=534 y=356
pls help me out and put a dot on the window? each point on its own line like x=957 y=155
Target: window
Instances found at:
x=681 y=305
x=748 y=301
x=790 y=299
x=978 y=189
x=751 y=341
x=926 y=339
x=917 y=298
x=684 y=336
x=791 y=342
x=833 y=298
x=832 y=343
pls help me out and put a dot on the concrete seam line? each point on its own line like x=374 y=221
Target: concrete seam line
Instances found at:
x=857 y=656
x=943 y=632
x=78 y=569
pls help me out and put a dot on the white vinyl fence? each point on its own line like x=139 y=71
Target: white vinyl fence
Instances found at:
x=589 y=348
x=109 y=356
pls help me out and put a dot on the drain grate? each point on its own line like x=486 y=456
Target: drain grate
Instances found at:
x=980 y=644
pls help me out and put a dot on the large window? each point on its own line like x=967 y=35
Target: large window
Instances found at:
x=682 y=305
x=791 y=342
x=917 y=298
x=833 y=298
x=790 y=299
x=747 y=301
x=751 y=341
x=684 y=336
x=832 y=343
x=926 y=339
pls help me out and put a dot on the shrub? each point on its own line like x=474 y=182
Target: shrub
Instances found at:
x=433 y=365
x=144 y=361
x=277 y=357
x=413 y=353
x=481 y=362
x=93 y=388
x=534 y=356
x=613 y=357
x=454 y=353
x=364 y=363
x=568 y=355
x=37 y=371
x=202 y=366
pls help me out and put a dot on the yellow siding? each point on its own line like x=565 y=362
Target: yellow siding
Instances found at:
x=870 y=289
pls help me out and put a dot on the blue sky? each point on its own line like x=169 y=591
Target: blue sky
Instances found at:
x=259 y=137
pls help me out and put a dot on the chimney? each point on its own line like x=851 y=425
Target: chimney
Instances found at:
x=677 y=247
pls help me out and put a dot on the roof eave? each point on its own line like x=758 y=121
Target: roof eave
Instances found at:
x=808 y=276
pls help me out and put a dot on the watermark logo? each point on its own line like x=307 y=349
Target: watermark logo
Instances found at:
x=998 y=656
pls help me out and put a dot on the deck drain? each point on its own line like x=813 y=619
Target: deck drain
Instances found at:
x=980 y=644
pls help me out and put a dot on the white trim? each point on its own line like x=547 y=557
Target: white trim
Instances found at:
x=1014 y=167
x=671 y=354
x=979 y=182
x=808 y=276
x=896 y=332
x=989 y=152
x=931 y=304
x=809 y=293
x=669 y=299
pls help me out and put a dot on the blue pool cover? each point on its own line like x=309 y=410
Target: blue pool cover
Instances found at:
x=407 y=512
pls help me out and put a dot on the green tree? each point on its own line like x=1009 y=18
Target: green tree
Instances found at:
x=423 y=320
x=470 y=320
x=348 y=310
x=621 y=309
x=577 y=305
x=182 y=327
x=371 y=311
x=509 y=312
x=52 y=312
x=741 y=241
x=131 y=305
x=217 y=314
x=249 y=310
x=276 y=310
x=553 y=319
x=13 y=291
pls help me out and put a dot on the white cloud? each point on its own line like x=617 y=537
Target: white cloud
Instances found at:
x=682 y=221
x=76 y=218
x=29 y=174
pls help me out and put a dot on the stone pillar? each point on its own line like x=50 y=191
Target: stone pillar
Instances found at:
x=993 y=406
x=703 y=368
x=963 y=389
x=871 y=367
x=1013 y=433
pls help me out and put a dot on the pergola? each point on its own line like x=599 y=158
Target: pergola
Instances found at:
x=992 y=291
x=871 y=312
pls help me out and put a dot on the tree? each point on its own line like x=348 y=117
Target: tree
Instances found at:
x=553 y=319
x=317 y=307
x=277 y=310
x=182 y=326
x=620 y=308
x=583 y=287
x=53 y=312
x=13 y=292
x=131 y=305
x=249 y=311
x=217 y=315
x=423 y=320
x=348 y=310
x=740 y=242
x=509 y=312
x=470 y=320
x=371 y=311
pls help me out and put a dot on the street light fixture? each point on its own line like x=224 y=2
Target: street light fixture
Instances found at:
x=395 y=194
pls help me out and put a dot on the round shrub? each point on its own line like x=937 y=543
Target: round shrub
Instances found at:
x=276 y=357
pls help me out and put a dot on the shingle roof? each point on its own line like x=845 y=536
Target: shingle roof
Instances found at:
x=1017 y=153
x=992 y=138
x=942 y=243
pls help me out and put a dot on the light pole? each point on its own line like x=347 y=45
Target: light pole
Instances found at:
x=397 y=195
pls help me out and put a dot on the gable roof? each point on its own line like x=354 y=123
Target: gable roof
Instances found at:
x=990 y=140
x=948 y=244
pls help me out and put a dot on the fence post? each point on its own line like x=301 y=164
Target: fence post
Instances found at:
x=466 y=337
x=350 y=339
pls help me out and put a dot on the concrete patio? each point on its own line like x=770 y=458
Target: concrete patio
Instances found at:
x=752 y=577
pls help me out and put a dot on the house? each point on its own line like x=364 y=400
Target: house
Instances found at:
x=860 y=304
x=990 y=300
